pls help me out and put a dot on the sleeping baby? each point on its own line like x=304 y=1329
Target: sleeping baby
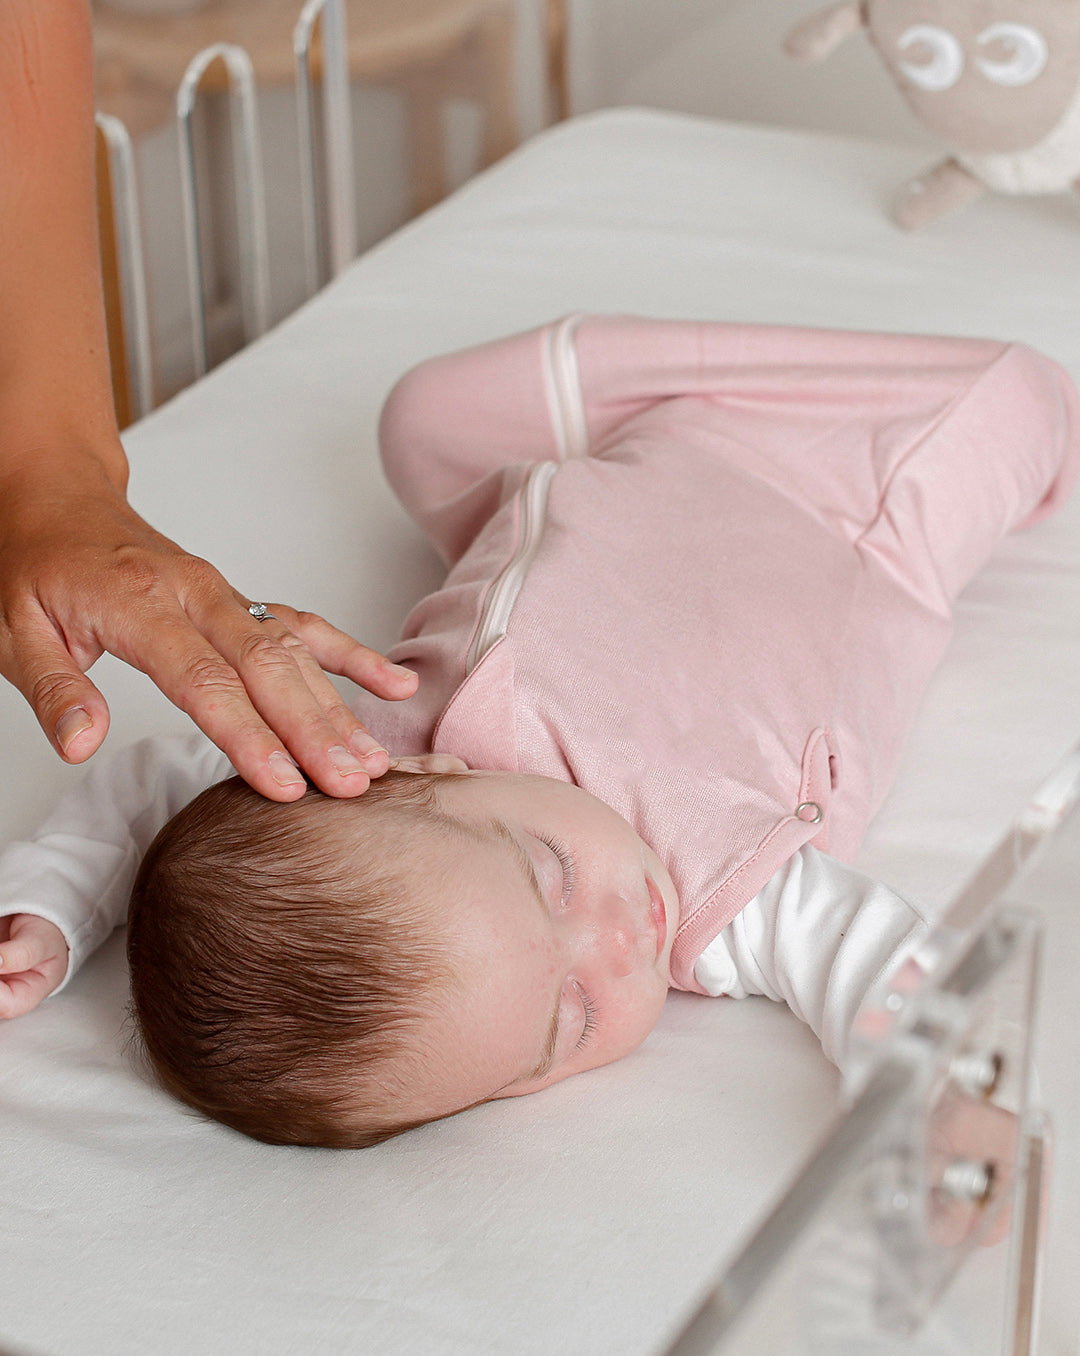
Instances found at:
x=700 y=575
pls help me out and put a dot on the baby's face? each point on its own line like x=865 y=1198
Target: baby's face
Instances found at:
x=560 y=921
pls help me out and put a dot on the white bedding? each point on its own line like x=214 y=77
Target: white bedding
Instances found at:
x=587 y=1219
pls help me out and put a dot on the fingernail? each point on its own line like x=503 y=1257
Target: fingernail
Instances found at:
x=365 y=747
x=401 y=670
x=71 y=724
x=343 y=760
x=284 y=770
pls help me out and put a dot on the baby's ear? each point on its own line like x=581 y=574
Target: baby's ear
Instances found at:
x=429 y=762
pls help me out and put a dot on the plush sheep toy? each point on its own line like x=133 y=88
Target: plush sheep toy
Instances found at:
x=999 y=80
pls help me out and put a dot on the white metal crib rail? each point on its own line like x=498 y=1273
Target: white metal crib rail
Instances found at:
x=249 y=190
x=131 y=268
x=329 y=204
x=327 y=179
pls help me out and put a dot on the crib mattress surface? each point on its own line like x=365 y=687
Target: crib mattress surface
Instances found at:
x=590 y=1218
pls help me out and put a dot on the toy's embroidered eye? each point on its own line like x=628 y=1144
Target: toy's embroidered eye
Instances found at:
x=1027 y=53
x=946 y=64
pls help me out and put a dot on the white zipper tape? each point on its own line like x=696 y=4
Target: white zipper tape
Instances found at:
x=503 y=593
x=562 y=384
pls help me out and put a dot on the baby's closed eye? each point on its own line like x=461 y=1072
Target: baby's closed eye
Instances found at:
x=566 y=863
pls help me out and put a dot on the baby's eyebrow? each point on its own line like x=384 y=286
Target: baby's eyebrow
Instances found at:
x=504 y=834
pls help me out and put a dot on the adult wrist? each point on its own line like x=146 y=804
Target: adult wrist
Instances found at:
x=56 y=452
x=38 y=474
x=56 y=410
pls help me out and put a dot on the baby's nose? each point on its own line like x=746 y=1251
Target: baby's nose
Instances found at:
x=617 y=940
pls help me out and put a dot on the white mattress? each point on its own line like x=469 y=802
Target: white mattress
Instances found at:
x=589 y=1218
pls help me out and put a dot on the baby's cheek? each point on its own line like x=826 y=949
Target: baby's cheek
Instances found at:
x=640 y=1017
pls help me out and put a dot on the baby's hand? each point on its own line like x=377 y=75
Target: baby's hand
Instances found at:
x=33 y=961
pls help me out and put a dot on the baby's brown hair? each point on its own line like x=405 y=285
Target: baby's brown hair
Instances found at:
x=282 y=957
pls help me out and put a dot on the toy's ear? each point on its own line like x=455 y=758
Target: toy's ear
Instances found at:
x=814 y=38
x=429 y=762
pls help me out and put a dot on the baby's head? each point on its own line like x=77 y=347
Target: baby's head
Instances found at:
x=337 y=971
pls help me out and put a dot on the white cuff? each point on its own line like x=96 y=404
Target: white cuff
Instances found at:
x=817 y=937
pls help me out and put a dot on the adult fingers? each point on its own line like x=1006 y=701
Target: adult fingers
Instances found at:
x=294 y=696
x=255 y=689
x=84 y=574
x=198 y=678
x=318 y=647
x=355 y=734
x=239 y=680
x=286 y=684
x=69 y=708
x=337 y=652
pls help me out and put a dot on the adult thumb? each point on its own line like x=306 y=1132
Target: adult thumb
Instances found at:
x=69 y=708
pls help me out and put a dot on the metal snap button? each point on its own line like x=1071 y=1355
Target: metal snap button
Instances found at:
x=810 y=812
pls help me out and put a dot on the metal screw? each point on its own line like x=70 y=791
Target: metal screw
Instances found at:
x=969 y=1180
x=977 y=1074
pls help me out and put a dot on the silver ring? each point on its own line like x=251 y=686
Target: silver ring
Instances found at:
x=259 y=612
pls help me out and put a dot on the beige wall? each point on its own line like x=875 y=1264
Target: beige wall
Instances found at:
x=723 y=58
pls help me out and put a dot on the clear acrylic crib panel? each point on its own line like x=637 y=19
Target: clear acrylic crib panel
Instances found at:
x=918 y=1226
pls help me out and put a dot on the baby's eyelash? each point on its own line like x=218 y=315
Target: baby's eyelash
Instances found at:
x=565 y=861
x=590 y=1020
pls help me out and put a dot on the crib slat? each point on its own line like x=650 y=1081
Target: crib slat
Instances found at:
x=250 y=200
x=329 y=211
x=130 y=264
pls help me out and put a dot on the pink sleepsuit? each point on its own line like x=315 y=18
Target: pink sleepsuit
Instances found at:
x=702 y=570
x=706 y=570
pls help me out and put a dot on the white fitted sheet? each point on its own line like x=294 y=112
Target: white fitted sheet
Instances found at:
x=587 y=1219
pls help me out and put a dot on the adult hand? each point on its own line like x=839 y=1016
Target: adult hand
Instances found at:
x=81 y=573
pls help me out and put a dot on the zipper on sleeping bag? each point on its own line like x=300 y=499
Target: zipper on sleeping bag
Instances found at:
x=562 y=385
x=504 y=592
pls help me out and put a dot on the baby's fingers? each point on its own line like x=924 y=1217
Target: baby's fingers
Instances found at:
x=20 y=994
x=29 y=942
x=33 y=961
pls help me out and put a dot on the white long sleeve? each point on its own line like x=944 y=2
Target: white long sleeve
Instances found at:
x=78 y=868
x=817 y=937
